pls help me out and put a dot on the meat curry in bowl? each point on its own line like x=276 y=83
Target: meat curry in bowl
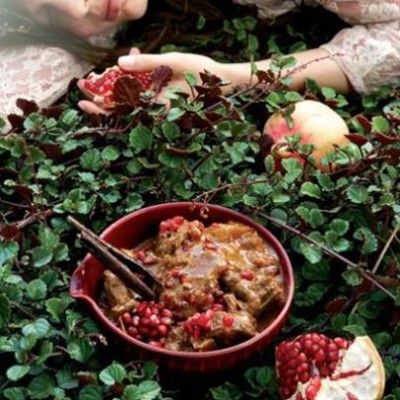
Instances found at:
x=227 y=286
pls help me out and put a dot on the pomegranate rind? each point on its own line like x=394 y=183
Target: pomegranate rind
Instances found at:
x=369 y=385
x=100 y=95
x=360 y=374
x=316 y=123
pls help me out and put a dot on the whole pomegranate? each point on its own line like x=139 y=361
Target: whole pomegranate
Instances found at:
x=316 y=123
x=100 y=87
x=315 y=367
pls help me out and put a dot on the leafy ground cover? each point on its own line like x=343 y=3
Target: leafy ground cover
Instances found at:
x=58 y=162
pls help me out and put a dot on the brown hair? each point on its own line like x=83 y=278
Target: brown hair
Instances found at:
x=157 y=28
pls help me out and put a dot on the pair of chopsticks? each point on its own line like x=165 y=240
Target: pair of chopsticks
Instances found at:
x=125 y=267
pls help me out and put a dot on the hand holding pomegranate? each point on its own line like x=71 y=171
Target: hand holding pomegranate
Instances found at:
x=180 y=63
x=317 y=125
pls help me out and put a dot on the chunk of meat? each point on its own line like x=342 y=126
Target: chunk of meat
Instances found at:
x=119 y=296
x=258 y=290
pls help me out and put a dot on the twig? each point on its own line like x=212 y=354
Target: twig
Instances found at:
x=327 y=250
x=385 y=249
x=379 y=260
x=23 y=310
x=32 y=218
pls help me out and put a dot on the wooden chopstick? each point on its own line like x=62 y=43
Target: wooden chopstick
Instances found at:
x=116 y=261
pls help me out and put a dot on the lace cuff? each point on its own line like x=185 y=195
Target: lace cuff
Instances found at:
x=36 y=73
x=369 y=55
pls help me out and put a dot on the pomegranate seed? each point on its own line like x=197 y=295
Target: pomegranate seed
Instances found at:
x=228 y=321
x=127 y=319
x=163 y=330
x=132 y=331
x=156 y=344
x=248 y=275
x=142 y=306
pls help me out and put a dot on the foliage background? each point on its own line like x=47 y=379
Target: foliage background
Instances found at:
x=59 y=162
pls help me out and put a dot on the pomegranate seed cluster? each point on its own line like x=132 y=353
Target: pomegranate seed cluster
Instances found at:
x=150 y=322
x=311 y=355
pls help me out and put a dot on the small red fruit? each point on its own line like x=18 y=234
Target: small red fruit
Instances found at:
x=100 y=87
x=317 y=125
x=315 y=367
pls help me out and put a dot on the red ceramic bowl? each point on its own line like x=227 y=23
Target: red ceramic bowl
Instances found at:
x=131 y=230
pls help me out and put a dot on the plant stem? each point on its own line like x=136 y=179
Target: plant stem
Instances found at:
x=327 y=250
x=385 y=249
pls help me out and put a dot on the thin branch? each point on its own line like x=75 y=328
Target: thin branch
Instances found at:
x=365 y=274
x=385 y=249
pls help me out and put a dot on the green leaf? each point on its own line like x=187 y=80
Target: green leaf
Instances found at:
x=340 y=226
x=328 y=92
x=113 y=374
x=5 y=311
x=56 y=306
x=42 y=386
x=357 y=194
x=66 y=380
x=37 y=290
x=91 y=392
x=311 y=190
x=352 y=277
x=41 y=256
x=227 y=391
x=260 y=378
x=171 y=131
x=355 y=330
x=8 y=251
x=368 y=239
x=40 y=327
x=146 y=390
x=17 y=372
x=380 y=124
x=140 y=138
x=91 y=160
x=319 y=271
x=15 y=393
x=110 y=153
x=311 y=252
x=80 y=350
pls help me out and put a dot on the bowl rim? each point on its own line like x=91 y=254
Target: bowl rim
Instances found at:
x=267 y=235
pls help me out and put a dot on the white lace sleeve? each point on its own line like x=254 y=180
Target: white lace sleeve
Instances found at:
x=36 y=73
x=369 y=52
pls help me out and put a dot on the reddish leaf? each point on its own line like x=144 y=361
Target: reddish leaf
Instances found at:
x=24 y=192
x=384 y=139
x=51 y=150
x=16 y=121
x=52 y=112
x=336 y=305
x=392 y=154
x=127 y=90
x=364 y=122
x=265 y=77
x=27 y=107
x=9 y=233
x=357 y=139
x=161 y=76
x=209 y=79
x=7 y=173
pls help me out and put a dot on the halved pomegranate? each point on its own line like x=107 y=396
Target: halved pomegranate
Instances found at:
x=315 y=367
x=100 y=87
